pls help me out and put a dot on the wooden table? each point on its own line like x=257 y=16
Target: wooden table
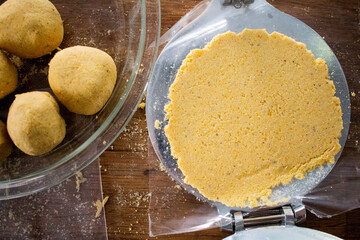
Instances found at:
x=125 y=168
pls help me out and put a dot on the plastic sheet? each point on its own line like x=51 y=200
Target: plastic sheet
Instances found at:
x=173 y=210
x=65 y=211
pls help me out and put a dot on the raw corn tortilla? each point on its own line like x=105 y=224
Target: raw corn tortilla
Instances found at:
x=251 y=111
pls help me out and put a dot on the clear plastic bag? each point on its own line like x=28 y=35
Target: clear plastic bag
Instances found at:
x=173 y=210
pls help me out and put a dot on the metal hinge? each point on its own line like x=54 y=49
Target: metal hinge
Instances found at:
x=285 y=215
x=237 y=3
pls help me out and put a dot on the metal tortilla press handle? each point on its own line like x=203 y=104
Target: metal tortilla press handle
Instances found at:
x=285 y=215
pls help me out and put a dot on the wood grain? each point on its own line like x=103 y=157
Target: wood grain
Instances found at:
x=125 y=167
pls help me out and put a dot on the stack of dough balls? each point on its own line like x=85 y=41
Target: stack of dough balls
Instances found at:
x=29 y=29
x=82 y=78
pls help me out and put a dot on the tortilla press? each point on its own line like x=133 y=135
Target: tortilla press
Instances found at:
x=220 y=16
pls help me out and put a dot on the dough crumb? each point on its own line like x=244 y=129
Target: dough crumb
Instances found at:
x=100 y=205
x=162 y=167
x=157 y=124
x=79 y=180
x=11 y=215
x=16 y=61
x=353 y=94
x=142 y=105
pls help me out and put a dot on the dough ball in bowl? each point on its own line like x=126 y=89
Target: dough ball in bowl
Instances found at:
x=5 y=142
x=82 y=78
x=30 y=28
x=34 y=123
x=8 y=76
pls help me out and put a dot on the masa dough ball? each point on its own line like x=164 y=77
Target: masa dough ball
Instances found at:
x=5 y=142
x=34 y=123
x=30 y=28
x=8 y=76
x=82 y=78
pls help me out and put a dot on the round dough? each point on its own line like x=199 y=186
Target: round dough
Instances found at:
x=34 y=123
x=5 y=142
x=30 y=28
x=8 y=76
x=251 y=111
x=82 y=78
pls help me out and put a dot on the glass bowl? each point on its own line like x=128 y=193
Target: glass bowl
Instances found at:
x=128 y=31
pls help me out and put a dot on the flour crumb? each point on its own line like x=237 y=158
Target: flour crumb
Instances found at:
x=100 y=205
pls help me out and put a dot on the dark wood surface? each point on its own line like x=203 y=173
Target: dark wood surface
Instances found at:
x=125 y=165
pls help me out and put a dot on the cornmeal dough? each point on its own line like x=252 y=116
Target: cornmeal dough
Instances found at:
x=30 y=28
x=34 y=123
x=251 y=111
x=8 y=76
x=5 y=142
x=82 y=78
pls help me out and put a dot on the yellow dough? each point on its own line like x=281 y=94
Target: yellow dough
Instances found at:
x=82 y=78
x=34 y=123
x=8 y=76
x=5 y=142
x=30 y=28
x=251 y=111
